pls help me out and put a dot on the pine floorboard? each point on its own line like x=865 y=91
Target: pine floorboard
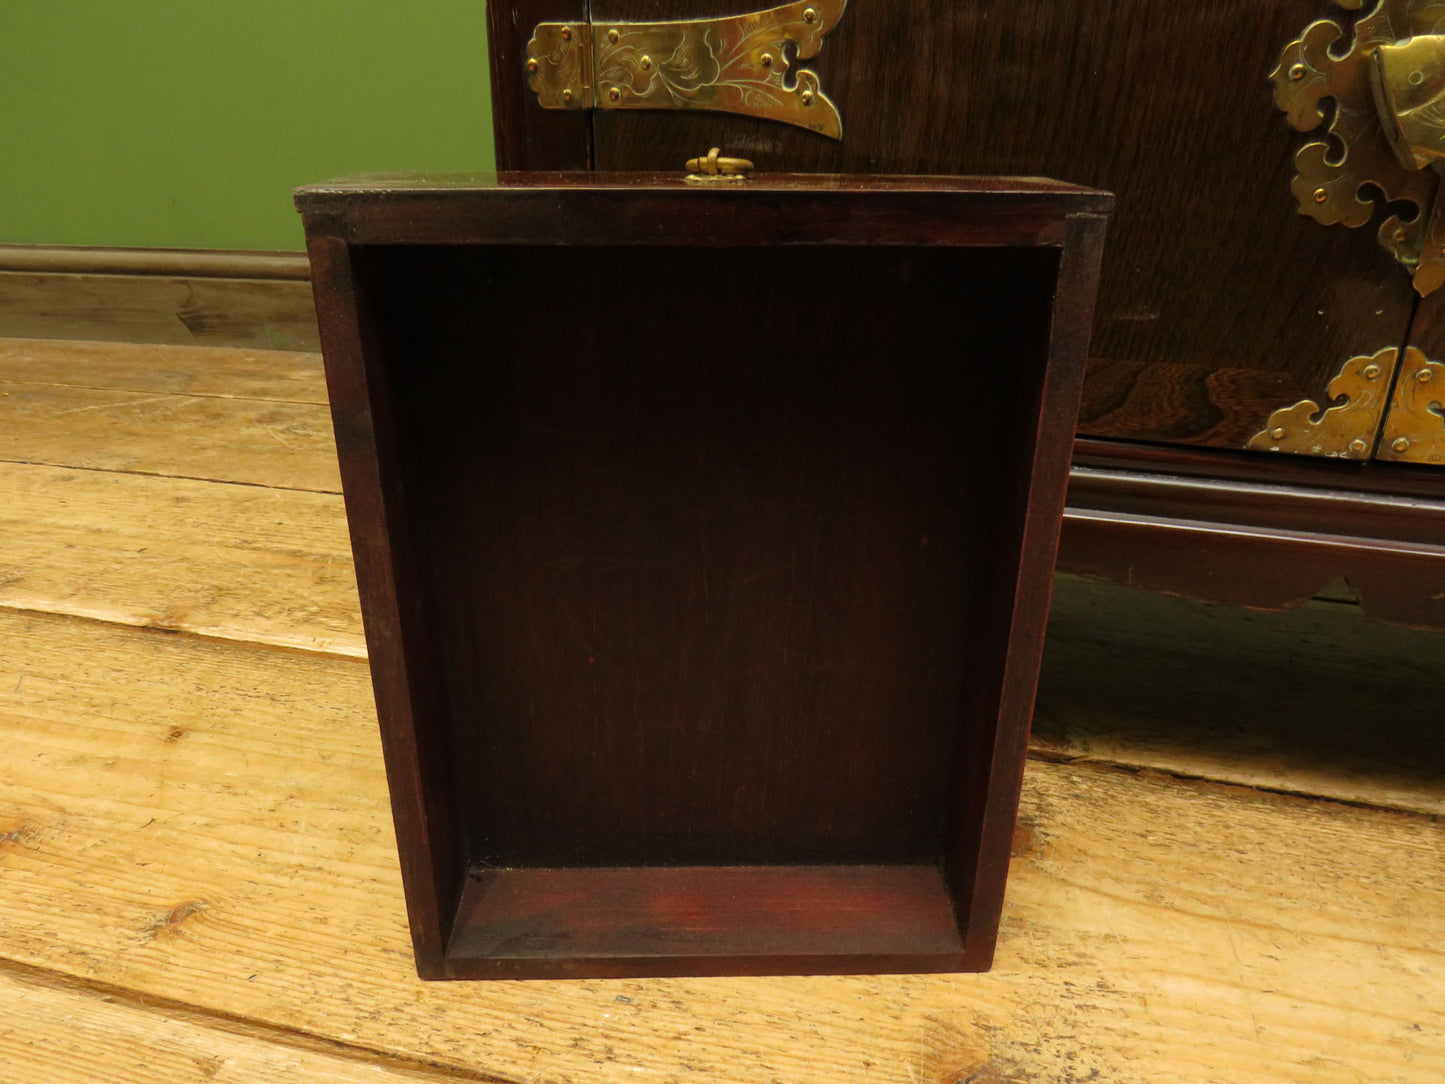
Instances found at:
x=198 y=873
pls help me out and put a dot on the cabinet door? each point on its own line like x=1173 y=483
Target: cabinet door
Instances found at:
x=1219 y=304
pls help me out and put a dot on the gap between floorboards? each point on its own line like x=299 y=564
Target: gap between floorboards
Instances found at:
x=162 y=474
x=242 y=1026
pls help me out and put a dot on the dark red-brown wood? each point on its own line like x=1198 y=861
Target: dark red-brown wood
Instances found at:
x=552 y=138
x=1253 y=532
x=704 y=539
x=1218 y=302
x=699 y=920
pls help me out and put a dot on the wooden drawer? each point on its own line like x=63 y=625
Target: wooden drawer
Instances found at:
x=704 y=539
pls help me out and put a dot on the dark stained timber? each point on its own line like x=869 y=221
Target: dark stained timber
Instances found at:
x=1219 y=304
x=704 y=540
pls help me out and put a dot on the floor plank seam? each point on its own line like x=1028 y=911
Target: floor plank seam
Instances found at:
x=163 y=474
x=168 y=630
x=243 y=1026
x=155 y=391
x=1045 y=755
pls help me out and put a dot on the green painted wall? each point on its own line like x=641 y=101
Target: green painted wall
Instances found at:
x=166 y=124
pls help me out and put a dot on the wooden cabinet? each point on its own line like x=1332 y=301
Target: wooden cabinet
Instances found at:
x=1220 y=306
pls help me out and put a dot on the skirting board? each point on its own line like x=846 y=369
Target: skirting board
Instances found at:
x=177 y=297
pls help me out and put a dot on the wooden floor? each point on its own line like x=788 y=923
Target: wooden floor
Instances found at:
x=1226 y=873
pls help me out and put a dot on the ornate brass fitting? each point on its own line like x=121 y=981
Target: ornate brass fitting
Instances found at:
x=1408 y=81
x=1344 y=430
x=1415 y=426
x=714 y=168
x=1388 y=88
x=740 y=64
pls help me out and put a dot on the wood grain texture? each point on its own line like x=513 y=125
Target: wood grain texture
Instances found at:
x=1155 y=930
x=1362 y=501
x=1213 y=284
x=242 y=562
x=58 y=1032
x=216 y=833
x=227 y=372
x=274 y=566
x=273 y=314
x=256 y=441
x=1172 y=400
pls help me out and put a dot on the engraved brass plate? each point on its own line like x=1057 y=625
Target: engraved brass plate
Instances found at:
x=743 y=64
x=1415 y=424
x=1385 y=75
x=1408 y=81
x=559 y=56
x=1345 y=430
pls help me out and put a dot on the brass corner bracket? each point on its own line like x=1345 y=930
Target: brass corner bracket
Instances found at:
x=743 y=64
x=1385 y=74
x=1346 y=430
x=1415 y=424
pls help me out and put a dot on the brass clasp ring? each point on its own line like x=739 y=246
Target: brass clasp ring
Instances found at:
x=714 y=168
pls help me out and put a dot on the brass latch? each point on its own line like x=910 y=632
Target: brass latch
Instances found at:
x=714 y=168
x=739 y=64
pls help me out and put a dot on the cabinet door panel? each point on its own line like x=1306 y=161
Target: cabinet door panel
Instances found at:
x=1219 y=303
x=528 y=136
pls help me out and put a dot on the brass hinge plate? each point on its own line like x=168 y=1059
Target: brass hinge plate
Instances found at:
x=1345 y=430
x=743 y=64
x=559 y=58
x=1415 y=424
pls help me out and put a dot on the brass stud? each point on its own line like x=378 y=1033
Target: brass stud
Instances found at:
x=1321 y=195
x=646 y=62
x=566 y=33
x=567 y=95
x=1402 y=444
x=1423 y=376
x=614 y=94
x=612 y=36
x=1400 y=236
x=809 y=15
x=807 y=97
x=1371 y=371
x=1297 y=72
x=532 y=64
x=767 y=59
x=1357 y=445
x=1276 y=434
